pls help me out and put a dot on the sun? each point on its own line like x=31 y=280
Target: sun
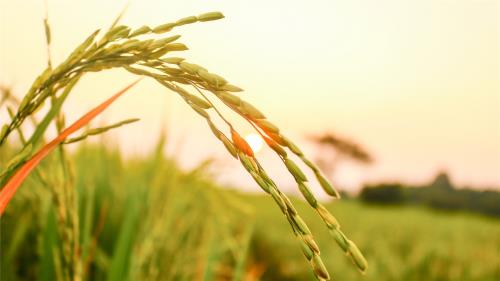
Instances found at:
x=255 y=141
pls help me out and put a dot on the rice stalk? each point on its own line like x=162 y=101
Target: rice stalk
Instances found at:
x=100 y=130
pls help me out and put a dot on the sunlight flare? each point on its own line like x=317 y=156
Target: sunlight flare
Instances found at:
x=255 y=141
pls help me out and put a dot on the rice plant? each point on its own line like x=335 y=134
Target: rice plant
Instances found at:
x=149 y=52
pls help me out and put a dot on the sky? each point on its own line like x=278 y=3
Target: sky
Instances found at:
x=417 y=83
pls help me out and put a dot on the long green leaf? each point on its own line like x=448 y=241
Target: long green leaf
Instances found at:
x=118 y=270
x=54 y=110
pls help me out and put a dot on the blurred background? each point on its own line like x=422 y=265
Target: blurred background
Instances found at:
x=397 y=101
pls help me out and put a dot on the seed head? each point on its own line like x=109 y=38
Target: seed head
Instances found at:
x=162 y=42
x=278 y=138
x=327 y=217
x=319 y=268
x=325 y=184
x=229 y=146
x=210 y=16
x=250 y=110
x=247 y=162
x=186 y=20
x=200 y=111
x=231 y=88
x=309 y=164
x=275 y=146
x=260 y=181
x=267 y=126
x=277 y=198
x=308 y=253
x=229 y=98
x=357 y=256
x=198 y=101
x=188 y=67
x=164 y=28
x=309 y=240
x=306 y=192
x=295 y=170
x=141 y=30
x=241 y=143
x=301 y=225
x=211 y=78
x=176 y=47
x=172 y=60
x=340 y=238
x=294 y=148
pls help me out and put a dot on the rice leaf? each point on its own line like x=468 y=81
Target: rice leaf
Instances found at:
x=122 y=251
x=17 y=179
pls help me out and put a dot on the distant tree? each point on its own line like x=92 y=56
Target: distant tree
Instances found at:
x=442 y=181
x=438 y=194
x=383 y=194
x=334 y=149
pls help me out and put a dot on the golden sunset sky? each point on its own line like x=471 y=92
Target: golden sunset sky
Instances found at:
x=416 y=82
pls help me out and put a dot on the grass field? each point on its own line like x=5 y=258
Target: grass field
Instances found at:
x=145 y=219
x=401 y=243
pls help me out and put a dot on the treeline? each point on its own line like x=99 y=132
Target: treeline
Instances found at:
x=440 y=194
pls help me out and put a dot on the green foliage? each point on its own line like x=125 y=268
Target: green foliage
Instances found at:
x=144 y=219
x=440 y=194
x=383 y=194
x=400 y=243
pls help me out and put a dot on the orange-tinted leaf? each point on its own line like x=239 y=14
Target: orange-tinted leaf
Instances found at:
x=18 y=178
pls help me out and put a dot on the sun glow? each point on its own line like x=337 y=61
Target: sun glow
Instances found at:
x=255 y=141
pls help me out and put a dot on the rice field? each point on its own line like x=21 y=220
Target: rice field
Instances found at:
x=145 y=219
x=89 y=214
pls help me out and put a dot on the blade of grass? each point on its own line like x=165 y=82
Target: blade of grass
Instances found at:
x=22 y=227
x=241 y=259
x=88 y=222
x=119 y=267
x=212 y=256
x=49 y=243
x=17 y=179
x=54 y=110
